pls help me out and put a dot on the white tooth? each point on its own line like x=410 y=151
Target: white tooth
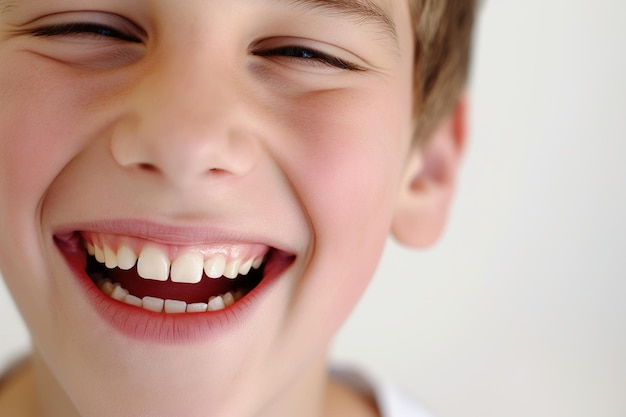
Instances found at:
x=119 y=293
x=215 y=303
x=107 y=287
x=257 y=263
x=99 y=254
x=90 y=249
x=133 y=301
x=188 y=268
x=153 y=264
x=214 y=266
x=153 y=304
x=197 y=307
x=245 y=268
x=229 y=299
x=232 y=269
x=110 y=258
x=126 y=258
x=175 y=306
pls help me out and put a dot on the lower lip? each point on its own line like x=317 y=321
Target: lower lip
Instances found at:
x=162 y=328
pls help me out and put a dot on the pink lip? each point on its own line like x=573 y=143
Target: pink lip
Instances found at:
x=145 y=325
x=170 y=235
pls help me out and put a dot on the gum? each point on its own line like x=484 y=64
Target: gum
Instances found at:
x=230 y=250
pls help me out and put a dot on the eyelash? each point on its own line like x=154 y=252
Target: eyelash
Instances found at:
x=94 y=29
x=309 y=54
x=98 y=30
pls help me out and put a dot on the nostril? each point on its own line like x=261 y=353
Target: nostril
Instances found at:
x=217 y=171
x=148 y=167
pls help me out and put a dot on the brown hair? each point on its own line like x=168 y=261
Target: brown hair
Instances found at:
x=443 y=33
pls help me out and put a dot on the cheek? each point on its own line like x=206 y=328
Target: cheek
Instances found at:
x=345 y=168
x=39 y=134
x=344 y=163
x=33 y=132
x=43 y=126
x=31 y=120
x=349 y=162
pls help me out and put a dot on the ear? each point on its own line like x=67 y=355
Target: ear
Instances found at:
x=430 y=181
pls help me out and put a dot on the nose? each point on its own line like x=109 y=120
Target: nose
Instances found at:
x=185 y=122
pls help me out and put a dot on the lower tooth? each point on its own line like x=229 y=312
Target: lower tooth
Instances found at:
x=119 y=293
x=197 y=307
x=107 y=287
x=175 y=306
x=216 y=303
x=158 y=305
x=153 y=304
x=133 y=301
x=228 y=298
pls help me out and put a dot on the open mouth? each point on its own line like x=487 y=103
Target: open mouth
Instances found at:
x=174 y=279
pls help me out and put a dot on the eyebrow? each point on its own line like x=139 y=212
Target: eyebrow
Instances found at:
x=362 y=11
x=6 y=5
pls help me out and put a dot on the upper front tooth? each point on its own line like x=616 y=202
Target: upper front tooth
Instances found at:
x=188 y=268
x=232 y=269
x=153 y=264
x=245 y=267
x=214 y=266
x=110 y=258
x=257 y=263
x=99 y=254
x=126 y=258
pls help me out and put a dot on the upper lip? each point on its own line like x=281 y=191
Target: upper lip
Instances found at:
x=169 y=234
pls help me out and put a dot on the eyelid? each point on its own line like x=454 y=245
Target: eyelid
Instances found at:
x=84 y=28
x=279 y=47
x=86 y=23
x=316 y=56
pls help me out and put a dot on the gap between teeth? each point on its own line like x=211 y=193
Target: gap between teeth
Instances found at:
x=153 y=264
x=159 y=305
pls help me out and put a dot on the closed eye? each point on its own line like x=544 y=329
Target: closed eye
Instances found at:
x=309 y=54
x=84 y=29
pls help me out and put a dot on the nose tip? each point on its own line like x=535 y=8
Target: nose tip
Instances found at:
x=183 y=156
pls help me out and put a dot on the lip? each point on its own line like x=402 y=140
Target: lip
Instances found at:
x=163 y=328
x=169 y=235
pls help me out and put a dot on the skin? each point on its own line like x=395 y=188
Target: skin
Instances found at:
x=202 y=131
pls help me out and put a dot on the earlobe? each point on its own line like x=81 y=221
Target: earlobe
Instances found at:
x=429 y=182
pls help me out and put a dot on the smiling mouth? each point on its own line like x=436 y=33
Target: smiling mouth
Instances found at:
x=173 y=279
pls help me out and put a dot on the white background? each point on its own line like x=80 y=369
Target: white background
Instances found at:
x=520 y=310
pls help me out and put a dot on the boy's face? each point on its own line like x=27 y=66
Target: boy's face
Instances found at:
x=193 y=133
